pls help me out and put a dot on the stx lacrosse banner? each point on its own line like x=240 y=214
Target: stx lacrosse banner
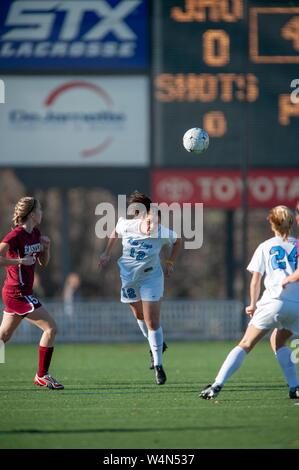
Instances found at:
x=223 y=188
x=75 y=34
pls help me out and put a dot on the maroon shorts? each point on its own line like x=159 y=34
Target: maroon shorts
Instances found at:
x=20 y=305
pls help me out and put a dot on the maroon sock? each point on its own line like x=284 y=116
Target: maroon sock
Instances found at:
x=45 y=355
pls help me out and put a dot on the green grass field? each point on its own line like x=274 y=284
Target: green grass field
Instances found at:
x=111 y=401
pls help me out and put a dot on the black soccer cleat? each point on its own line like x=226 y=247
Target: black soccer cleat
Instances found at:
x=210 y=392
x=160 y=375
x=152 y=365
x=294 y=392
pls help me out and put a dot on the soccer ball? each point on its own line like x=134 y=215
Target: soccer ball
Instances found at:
x=196 y=140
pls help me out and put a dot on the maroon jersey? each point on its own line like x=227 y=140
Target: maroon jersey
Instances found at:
x=19 y=278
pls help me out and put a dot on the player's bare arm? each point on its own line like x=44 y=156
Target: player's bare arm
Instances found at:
x=290 y=279
x=255 y=289
x=44 y=256
x=26 y=261
x=105 y=257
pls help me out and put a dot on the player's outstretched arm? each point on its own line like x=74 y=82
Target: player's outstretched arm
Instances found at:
x=255 y=289
x=170 y=262
x=290 y=279
x=27 y=261
x=105 y=257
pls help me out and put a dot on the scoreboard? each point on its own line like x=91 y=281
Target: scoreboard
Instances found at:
x=231 y=67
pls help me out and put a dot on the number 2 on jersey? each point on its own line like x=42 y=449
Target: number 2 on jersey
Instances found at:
x=139 y=255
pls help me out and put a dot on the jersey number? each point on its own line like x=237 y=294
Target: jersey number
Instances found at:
x=279 y=254
x=139 y=255
x=32 y=299
x=129 y=293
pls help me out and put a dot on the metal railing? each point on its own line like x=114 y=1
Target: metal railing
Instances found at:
x=111 y=321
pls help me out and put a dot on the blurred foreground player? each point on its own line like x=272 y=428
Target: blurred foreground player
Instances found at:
x=278 y=307
x=19 y=251
x=295 y=276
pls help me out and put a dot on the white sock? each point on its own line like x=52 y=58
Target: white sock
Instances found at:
x=143 y=327
x=283 y=356
x=230 y=365
x=155 y=339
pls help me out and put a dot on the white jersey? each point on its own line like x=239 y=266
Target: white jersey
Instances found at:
x=277 y=259
x=141 y=253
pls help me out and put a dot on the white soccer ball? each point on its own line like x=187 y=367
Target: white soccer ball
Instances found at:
x=196 y=140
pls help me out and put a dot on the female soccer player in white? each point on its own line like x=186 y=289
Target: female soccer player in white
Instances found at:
x=277 y=309
x=141 y=273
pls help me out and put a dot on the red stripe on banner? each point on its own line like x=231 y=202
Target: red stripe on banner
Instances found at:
x=77 y=84
x=223 y=188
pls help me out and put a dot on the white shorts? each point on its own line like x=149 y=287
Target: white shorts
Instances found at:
x=149 y=289
x=275 y=313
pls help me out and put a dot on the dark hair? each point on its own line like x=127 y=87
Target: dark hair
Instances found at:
x=139 y=198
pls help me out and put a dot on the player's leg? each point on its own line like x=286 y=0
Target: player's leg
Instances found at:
x=43 y=320
x=136 y=308
x=9 y=324
x=130 y=295
x=151 y=313
x=283 y=355
x=151 y=292
x=233 y=361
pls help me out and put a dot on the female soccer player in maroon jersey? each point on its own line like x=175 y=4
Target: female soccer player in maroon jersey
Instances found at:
x=19 y=251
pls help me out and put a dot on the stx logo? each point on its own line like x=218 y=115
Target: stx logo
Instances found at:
x=34 y=20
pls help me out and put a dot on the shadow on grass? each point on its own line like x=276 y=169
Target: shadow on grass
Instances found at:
x=125 y=388
x=124 y=430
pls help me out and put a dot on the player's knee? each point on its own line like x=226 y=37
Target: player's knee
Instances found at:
x=139 y=315
x=246 y=344
x=5 y=336
x=52 y=330
x=152 y=325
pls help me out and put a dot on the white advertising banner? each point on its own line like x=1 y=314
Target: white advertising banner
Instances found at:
x=74 y=121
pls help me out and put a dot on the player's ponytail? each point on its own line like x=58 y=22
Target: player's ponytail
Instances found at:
x=23 y=208
x=281 y=220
